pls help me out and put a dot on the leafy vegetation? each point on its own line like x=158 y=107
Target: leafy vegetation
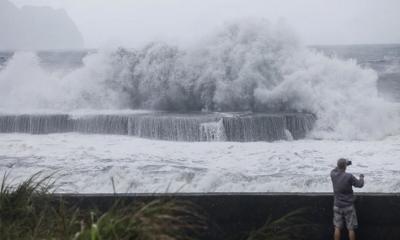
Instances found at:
x=24 y=209
x=288 y=227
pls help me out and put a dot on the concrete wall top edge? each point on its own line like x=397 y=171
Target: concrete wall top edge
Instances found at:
x=217 y=194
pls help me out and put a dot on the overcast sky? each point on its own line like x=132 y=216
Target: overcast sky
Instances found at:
x=132 y=22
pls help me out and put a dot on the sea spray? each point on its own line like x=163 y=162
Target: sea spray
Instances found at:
x=247 y=66
x=24 y=84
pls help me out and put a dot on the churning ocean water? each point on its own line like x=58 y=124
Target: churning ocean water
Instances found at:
x=249 y=109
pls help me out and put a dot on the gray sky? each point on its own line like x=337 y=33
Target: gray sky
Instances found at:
x=132 y=22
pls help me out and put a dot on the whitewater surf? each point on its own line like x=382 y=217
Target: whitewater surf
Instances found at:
x=300 y=108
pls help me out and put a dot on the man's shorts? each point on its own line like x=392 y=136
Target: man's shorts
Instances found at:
x=345 y=215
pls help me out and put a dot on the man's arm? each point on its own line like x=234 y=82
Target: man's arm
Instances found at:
x=358 y=183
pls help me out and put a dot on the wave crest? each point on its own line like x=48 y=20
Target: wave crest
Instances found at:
x=247 y=66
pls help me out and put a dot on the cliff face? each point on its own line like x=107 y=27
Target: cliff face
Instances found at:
x=37 y=28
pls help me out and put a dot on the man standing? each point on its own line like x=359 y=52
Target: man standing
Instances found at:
x=343 y=209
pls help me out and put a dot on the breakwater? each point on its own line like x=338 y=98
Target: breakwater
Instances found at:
x=241 y=127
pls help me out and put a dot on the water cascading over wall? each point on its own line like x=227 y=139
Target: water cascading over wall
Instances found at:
x=299 y=124
x=255 y=128
x=169 y=126
x=35 y=124
x=101 y=124
x=176 y=127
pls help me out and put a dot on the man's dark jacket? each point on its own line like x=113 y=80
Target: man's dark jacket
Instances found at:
x=343 y=183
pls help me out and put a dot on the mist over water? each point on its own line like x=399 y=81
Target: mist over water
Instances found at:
x=247 y=66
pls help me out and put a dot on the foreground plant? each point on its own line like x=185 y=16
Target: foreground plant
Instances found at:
x=159 y=219
x=288 y=227
x=24 y=209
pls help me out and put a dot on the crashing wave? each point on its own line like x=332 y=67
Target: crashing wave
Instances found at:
x=247 y=66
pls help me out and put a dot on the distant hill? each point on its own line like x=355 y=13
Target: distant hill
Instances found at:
x=37 y=28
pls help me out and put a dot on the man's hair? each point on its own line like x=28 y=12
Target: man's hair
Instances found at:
x=342 y=163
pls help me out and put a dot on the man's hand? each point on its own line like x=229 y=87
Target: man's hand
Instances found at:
x=361 y=175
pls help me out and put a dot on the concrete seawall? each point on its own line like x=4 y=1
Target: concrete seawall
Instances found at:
x=234 y=215
x=190 y=127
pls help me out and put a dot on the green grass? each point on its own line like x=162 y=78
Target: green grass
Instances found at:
x=158 y=219
x=24 y=209
x=291 y=226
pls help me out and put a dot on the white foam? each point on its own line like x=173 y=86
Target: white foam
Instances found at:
x=86 y=163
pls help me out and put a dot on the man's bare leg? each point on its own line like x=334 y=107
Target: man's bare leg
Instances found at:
x=337 y=233
x=352 y=235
